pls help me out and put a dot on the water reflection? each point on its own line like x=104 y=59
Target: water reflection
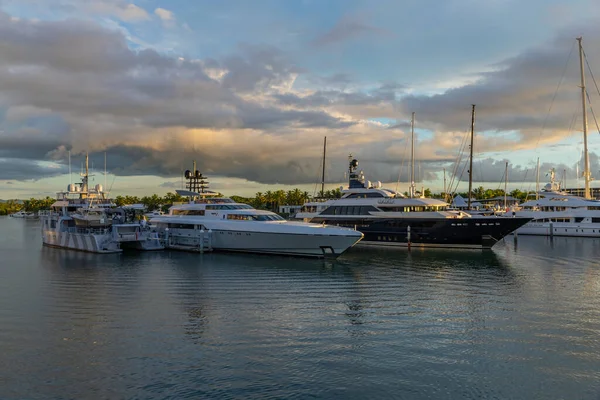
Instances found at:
x=385 y=324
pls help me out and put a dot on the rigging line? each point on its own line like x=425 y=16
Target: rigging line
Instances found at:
x=458 y=162
x=458 y=182
x=402 y=163
x=554 y=96
x=457 y=177
x=592 y=110
x=591 y=73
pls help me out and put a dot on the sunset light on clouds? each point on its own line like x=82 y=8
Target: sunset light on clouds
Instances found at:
x=249 y=89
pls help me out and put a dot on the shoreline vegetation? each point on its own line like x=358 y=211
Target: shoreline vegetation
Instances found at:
x=269 y=200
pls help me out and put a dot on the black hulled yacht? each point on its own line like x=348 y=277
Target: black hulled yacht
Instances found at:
x=388 y=218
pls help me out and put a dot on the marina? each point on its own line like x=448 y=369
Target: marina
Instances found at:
x=363 y=235
x=519 y=321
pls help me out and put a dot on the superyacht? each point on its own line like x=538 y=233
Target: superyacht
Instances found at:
x=557 y=213
x=212 y=221
x=83 y=218
x=390 y=219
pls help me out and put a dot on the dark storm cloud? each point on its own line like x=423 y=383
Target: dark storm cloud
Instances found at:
x=19 y=170
x=517 y=94
x=83 y=70
x=493 y=170
x=385 y=94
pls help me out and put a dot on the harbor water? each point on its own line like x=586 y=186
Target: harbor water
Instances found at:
x=521 y=321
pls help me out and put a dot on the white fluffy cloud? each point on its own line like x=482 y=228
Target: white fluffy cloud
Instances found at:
x=164 y=14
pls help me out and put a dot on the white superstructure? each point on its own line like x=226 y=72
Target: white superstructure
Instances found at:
x=84 y=219
x=557 y=213
x=226 y=225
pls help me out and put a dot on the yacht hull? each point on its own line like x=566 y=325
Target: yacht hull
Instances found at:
x=56 y=233
x=468 y=233
x=560 y=229
x=90 y=243
x=282 y=243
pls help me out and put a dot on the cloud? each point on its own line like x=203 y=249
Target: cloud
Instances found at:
x=253 y=114
x=345 y=29
x=118 y=8
x=18 y=169
x=164 y=15
x=518 y=97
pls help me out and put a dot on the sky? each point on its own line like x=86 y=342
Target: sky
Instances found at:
x=249 y=89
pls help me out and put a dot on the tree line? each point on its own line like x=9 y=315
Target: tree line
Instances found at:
x=269 y=200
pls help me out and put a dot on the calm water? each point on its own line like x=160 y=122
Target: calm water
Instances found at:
x=521 y=321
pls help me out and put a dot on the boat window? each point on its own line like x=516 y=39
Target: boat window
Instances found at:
x=368 y=195
x=249 y=217
x=188 y=212
x=181 y=226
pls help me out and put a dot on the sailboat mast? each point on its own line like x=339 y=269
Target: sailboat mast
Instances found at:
x=105 y=171
x=323 y=173
x=471 y=157
x=537 y=180
x=505 y=182
x=70 y=174
x=445 y=194
x=412 y=155
x=85 y=178
x=586 y=159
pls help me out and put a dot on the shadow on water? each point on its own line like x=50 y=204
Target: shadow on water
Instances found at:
x=426 y=259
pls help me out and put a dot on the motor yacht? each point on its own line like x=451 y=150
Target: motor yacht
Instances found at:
x=390 y=219
x=209 y=220
x=558 y=213
x=83 y=218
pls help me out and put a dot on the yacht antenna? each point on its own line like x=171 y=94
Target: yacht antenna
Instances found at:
x=471 y=157
x=86 y=171
x=537 y=180
x=323 y=174
x=505 y=182
x=412 y=155
x=586 y=160
x=70 y=176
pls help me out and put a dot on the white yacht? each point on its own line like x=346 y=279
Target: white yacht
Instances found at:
x=24 y=214
x=84 y=219
x=390 y=219
x=557 y=213
x=219 y=223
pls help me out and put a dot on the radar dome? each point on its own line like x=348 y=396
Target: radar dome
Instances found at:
x=98 y=188
x=188 y=173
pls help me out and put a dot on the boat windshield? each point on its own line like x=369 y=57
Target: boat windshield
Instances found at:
x=260 y=217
